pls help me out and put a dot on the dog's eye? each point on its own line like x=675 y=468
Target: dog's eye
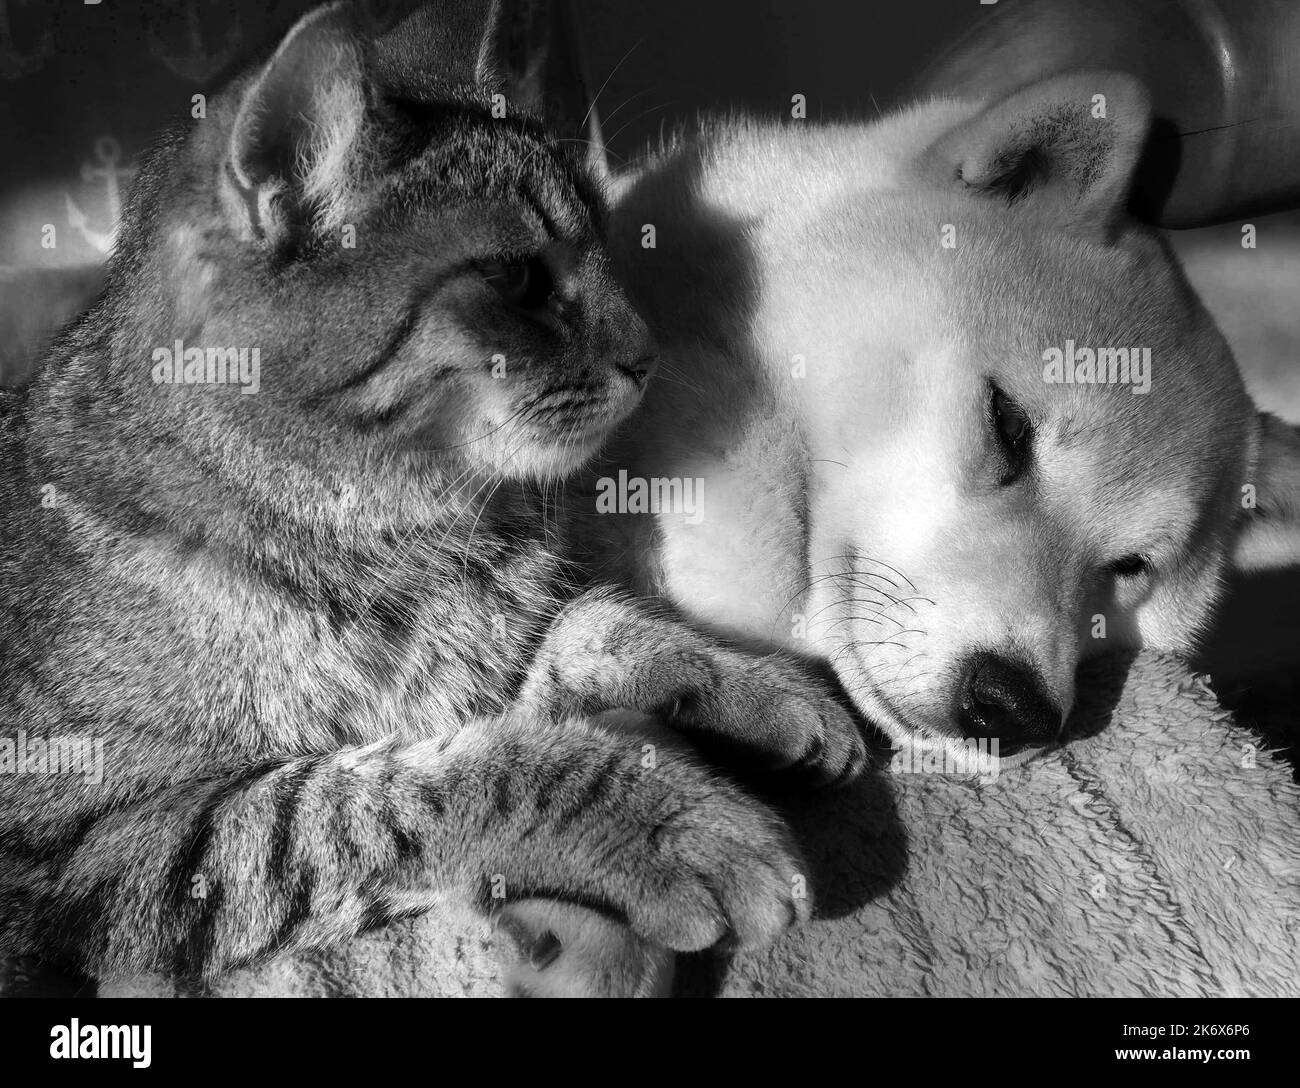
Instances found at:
x=1013 y=431
x=524 y=282
x=1130 y=566
x=1012 y=423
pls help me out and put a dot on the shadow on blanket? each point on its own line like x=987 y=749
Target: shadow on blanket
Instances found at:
x=1156 y=853
x=1253 y=657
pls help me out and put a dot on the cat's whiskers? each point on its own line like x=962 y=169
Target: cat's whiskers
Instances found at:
x=410 y=540
x=668 y=373
x=626 y=102
x=595 y=99
x=494 y=481
x=479 y=438
x=469 y=540
x=638 y=117
x=592 y=144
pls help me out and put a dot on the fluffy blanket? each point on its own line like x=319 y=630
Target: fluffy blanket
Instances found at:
x=1157 y=853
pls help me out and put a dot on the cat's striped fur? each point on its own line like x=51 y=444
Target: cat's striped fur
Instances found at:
x=324 y=631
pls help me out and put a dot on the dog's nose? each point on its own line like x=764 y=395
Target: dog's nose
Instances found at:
x=1005 y=699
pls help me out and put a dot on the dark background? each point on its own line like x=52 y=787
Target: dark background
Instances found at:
x=72 y=74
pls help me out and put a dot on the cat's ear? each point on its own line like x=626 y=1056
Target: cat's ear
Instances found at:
x=1270 y=534
x=298 y=120
x=301 y=120
x=422 y=47
x=529 y=49
x=541 y=59
x=1066 y=148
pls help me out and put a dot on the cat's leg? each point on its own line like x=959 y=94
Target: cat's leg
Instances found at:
x=548 y=948
x=308 y=852
x=606 y=651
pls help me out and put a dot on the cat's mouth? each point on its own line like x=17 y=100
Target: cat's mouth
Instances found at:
x=551 y=434
x=572 y=415
x=555 y=457
x=559 y=443
x=584 y=433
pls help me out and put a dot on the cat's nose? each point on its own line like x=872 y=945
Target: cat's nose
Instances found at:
x=640 y=370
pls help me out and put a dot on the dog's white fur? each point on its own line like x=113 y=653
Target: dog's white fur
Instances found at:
x=826 y=363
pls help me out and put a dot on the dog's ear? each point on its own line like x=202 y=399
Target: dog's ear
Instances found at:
x=1065 y=148
x=1270 y=534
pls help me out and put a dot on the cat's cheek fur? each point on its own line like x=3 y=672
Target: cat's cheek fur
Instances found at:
x=538 y=460
x=516 y=448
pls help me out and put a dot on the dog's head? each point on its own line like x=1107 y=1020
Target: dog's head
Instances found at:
x=1023 y=441
x=1033 y=444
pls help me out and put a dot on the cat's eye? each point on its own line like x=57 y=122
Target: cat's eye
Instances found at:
x=523 y=282
x=1131 y=566
x=1013 y=430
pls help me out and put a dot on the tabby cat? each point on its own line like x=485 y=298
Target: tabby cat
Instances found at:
x=275 y=536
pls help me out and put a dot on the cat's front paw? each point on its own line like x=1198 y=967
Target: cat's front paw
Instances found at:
x=767 y=711
x=684 y=857
x=780 y=718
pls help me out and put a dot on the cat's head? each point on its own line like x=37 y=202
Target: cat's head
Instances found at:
x=418 y=266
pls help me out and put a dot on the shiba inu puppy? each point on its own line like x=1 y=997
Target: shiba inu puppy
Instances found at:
x=960 y=422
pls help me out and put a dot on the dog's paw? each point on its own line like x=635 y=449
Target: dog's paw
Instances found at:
x=551 y=949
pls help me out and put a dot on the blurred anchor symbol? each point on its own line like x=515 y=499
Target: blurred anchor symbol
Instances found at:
x=108 y=152
x=200 y=63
